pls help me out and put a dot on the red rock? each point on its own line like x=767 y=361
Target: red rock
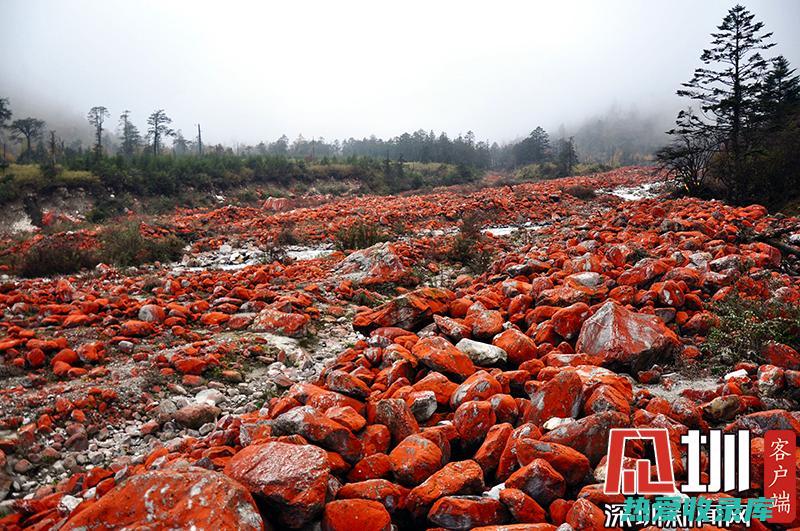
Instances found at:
x=588 y=435
x=152 y=313
x=136 y=329
x=488 y=455
x=175 y=499
x=195 y=415
x=214 y=318
x=479 y=386
x=396 y=415
x=781 y=355
x=347 y=417
x=363 y=515
x=345 y=383
x=473 y=420
x=522 y=507
x=291 y=478
x=559 y=397
x=570 y=463
x=467 y=512
x=373 y=466
x=317 y=428
x=700 y=323
x=462 y=477
x=538 y=480
x=486 y=324
x=607 y=398
x=408 y=311
x=35 y=358
x=440 y=355
x=519 y=347
x=626 y=339
x=415 y=459
x=281 y=323
x=442 y=388
x=567 y=321
x=759 y=423
x=387 y=493
x=585 y=516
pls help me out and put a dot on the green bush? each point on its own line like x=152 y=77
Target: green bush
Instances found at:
x=55 y=255
x=466 y=247
x=125 y=245
x=360 y=235
x=745 y=326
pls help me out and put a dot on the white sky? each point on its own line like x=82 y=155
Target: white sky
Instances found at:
x=250 y=71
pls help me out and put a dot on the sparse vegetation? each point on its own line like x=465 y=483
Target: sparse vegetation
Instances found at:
x=467 y=246
x=745 y=326
x=580 y=191
x=125 y=245
x=56 y=255
x=359 y=235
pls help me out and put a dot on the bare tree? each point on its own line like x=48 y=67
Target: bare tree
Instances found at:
x=687 y=158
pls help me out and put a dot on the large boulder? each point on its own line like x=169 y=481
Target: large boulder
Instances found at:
x=192 y=498
x=409 y=311
x=379 y=264
x=627 y=340
x=291 y=478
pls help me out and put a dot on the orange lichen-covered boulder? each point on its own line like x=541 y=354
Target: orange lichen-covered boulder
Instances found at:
x=440 y=355
x=283 y=323
x=355 y=514
x=626 y=339
x=461 y=477
x=191 y=498
x=292 y=479
x=408 y=311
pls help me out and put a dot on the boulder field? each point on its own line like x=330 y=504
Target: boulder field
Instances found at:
x=481 y=402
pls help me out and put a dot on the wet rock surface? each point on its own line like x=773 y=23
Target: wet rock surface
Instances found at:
x=305 y=393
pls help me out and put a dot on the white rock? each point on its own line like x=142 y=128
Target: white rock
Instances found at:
x=741 y=373
x=494 y=492
x=209 y=396
x=68 y=503
x=482 y=353
x=554 y=422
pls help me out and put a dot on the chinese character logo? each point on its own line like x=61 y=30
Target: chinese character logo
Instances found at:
x=639 y=479
x=779 y=475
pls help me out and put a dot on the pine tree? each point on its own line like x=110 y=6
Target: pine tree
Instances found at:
x=727 y=88
x=129 y=133
x=159 y=128
x=96 y=117
x=780 y=92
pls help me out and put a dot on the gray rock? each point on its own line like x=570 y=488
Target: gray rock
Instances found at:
x=482 y=354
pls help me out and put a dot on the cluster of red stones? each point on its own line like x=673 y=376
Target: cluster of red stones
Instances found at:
x=487 y=406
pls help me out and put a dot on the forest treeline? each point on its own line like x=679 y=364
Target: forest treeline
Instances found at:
x=161 y=160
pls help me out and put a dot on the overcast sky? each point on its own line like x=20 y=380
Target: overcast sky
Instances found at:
x=250 y=71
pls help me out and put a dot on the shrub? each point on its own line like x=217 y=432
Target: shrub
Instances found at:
x=467 y=247
x=125 y=245
x=286 y=236
x=745 y=326
x=55 y=255
x=580 y=191
x=360 y=235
